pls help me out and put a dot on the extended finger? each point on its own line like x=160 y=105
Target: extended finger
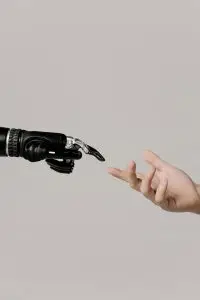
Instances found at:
x=132 y=178
x=118 y=173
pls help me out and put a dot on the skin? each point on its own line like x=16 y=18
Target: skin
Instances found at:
x=164 y=185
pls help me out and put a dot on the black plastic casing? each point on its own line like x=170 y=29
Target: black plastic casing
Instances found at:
x=3 y=136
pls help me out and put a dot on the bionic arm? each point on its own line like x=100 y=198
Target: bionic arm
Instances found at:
x=56 y=149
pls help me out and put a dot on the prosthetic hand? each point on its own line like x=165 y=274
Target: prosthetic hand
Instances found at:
x=58 y=150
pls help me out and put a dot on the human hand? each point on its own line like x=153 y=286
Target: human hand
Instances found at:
x=165 y=185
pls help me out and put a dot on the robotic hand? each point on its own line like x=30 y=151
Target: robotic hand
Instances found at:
x=58 y=150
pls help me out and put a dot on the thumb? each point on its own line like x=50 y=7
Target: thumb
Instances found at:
x=153 y=159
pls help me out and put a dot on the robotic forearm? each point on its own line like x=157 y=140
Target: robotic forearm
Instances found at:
x=58 y=150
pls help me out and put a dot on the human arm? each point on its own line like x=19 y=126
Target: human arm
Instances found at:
x=165 y=185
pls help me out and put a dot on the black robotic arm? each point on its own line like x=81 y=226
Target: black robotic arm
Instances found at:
x=58 y=150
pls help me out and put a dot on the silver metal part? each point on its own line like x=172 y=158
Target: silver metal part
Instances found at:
x=71 y=142
x=7 y=140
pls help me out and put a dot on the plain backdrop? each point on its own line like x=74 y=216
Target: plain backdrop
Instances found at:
x=123 y=76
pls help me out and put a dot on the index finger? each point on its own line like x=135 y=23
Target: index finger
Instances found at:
x=118 y=173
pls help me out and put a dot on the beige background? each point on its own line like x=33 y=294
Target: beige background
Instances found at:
x=123 y=76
